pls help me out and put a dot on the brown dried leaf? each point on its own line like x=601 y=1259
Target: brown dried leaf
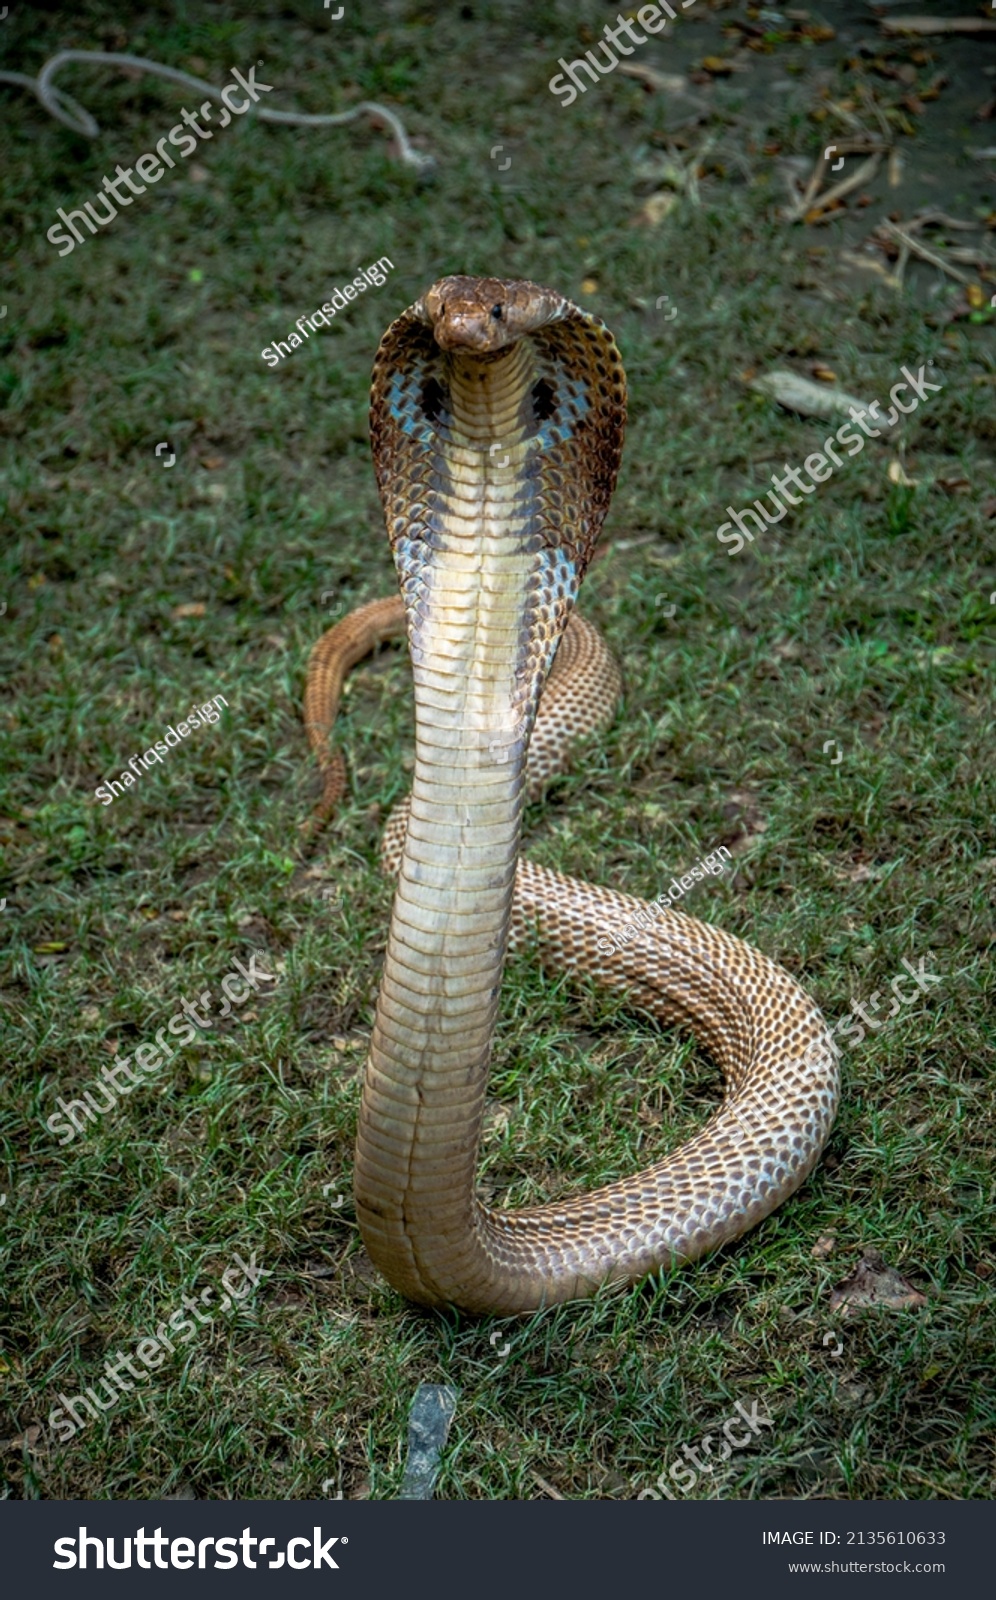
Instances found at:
x=191 y=608
x=873 y=1283
x=855 y=872
x=652 y=79
x=653 y=211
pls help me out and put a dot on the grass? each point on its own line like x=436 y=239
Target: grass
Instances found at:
x=862 y=619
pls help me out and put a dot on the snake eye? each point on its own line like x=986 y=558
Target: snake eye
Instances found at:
x=496 y=313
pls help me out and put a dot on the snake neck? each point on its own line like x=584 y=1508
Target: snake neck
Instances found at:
x=487 y=601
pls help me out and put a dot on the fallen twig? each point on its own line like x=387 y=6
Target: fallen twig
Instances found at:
x=799 y=204
x=868 y=264
x=546 y=1487
x=972 y=258
x=936 y=25
x=810 y=204
x=918 y=248
x=926 y=219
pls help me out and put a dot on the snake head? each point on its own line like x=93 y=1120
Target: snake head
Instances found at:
x=484 y=315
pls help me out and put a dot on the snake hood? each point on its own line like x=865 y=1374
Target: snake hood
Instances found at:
x=500 y=389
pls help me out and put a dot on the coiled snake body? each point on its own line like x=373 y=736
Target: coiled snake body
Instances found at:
x=497 y=416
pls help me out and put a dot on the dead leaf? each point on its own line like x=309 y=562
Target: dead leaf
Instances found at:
x=652 y=79
x=29 y=1438
x=897 y=474
x=192 y=608
x=873 y=1283
x=212 y=463
x=824 y=1246
x=856 y=872
x=820 y=214
x=496 y=1120
x=653 y=211
x=742 y=807
x=799 y=394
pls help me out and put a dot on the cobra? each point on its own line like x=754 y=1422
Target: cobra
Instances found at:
x=497 y=417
